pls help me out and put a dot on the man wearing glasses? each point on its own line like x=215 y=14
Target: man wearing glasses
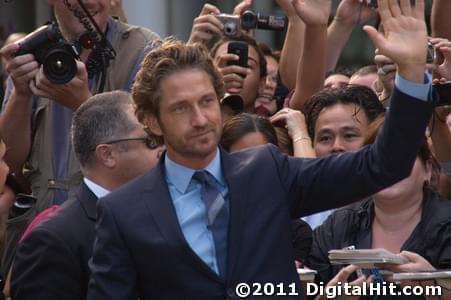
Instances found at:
x=113 y=148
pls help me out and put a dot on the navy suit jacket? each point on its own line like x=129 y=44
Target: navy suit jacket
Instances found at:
x=140 y=250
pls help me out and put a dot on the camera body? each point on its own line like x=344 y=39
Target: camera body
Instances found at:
x=52 y=51
x=233 y=24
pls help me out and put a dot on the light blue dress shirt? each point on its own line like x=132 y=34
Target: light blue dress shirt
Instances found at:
x=190 y=209
x=420 y=91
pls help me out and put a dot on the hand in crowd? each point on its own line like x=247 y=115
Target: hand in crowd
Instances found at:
x=386 y=71
x=206 y=25
x=22 y=69
x=343 y=276
x=405 y=37
x=242 y=7
x=415 y=263
x=294 y=121
x=354 y=12
x=71 y=94
x=287 y=7
x=313 y=12
x=443 y=68
x=233 y=75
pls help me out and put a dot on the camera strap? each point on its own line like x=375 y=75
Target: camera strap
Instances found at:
x=102 y=51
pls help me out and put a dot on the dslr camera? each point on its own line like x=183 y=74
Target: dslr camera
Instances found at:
x=250 y=20
x=52 y=51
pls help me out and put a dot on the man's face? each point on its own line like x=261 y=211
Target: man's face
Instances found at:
x=367 y=80
x=252 y=82
x=336 y=81
x=137 y=159
x=339 y=128
x=70 y=26
x=190 y=117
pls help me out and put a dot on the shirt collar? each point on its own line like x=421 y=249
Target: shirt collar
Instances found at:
x=180 y=176
x=95 y=188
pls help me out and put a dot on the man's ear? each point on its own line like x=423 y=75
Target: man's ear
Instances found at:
x=105 y=156
x=151 y=122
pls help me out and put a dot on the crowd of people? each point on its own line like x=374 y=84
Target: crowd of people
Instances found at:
x=168 y=169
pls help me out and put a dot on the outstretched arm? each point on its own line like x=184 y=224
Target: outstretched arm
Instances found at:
x=350 y=13
x=293 y=46
x=312 y=66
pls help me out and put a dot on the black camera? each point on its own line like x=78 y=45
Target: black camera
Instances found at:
x=52 y=51
x=250 y=20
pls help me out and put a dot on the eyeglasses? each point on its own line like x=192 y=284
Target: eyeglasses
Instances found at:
x=148 y=141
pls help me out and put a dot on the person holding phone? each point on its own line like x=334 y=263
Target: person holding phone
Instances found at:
x=245 y=78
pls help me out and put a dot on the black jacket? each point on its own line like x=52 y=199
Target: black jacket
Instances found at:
x=51 y=263
x=351 y=225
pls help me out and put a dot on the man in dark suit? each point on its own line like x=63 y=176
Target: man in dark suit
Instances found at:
x=206 y=224
x=112 y=147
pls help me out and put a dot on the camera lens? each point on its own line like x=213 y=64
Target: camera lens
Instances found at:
x=59 y=66
x=230 y=29
x=249 y=20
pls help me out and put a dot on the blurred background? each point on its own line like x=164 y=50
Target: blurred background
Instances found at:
x=174 y=17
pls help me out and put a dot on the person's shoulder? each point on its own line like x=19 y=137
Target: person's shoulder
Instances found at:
x=437 y=209
x=132 y=189
x=255 y=153
x=63 y=220
x=140 y=32
x=349 y=215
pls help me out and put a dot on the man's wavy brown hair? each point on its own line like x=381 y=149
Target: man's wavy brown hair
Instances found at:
x=171 y=57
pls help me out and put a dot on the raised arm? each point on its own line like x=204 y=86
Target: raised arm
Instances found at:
x=349 y=177
x=206 y=25
x=312 y=66
x=292 y=46
x=440 y=20
x=350 y=13
x=440 y=134
x=15 y=120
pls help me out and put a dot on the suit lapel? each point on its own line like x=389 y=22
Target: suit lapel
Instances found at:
x=238 y=193
x=88 y=201
x=158 y=200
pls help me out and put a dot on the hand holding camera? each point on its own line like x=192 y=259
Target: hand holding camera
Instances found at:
x=443 y=53
x=22 y=69
x=71 y=94
x=206 y=25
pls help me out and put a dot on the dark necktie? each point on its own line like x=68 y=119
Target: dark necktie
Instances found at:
x=217 y=217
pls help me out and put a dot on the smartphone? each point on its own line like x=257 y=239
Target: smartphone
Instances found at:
x=240 y=49
x=444 y=92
